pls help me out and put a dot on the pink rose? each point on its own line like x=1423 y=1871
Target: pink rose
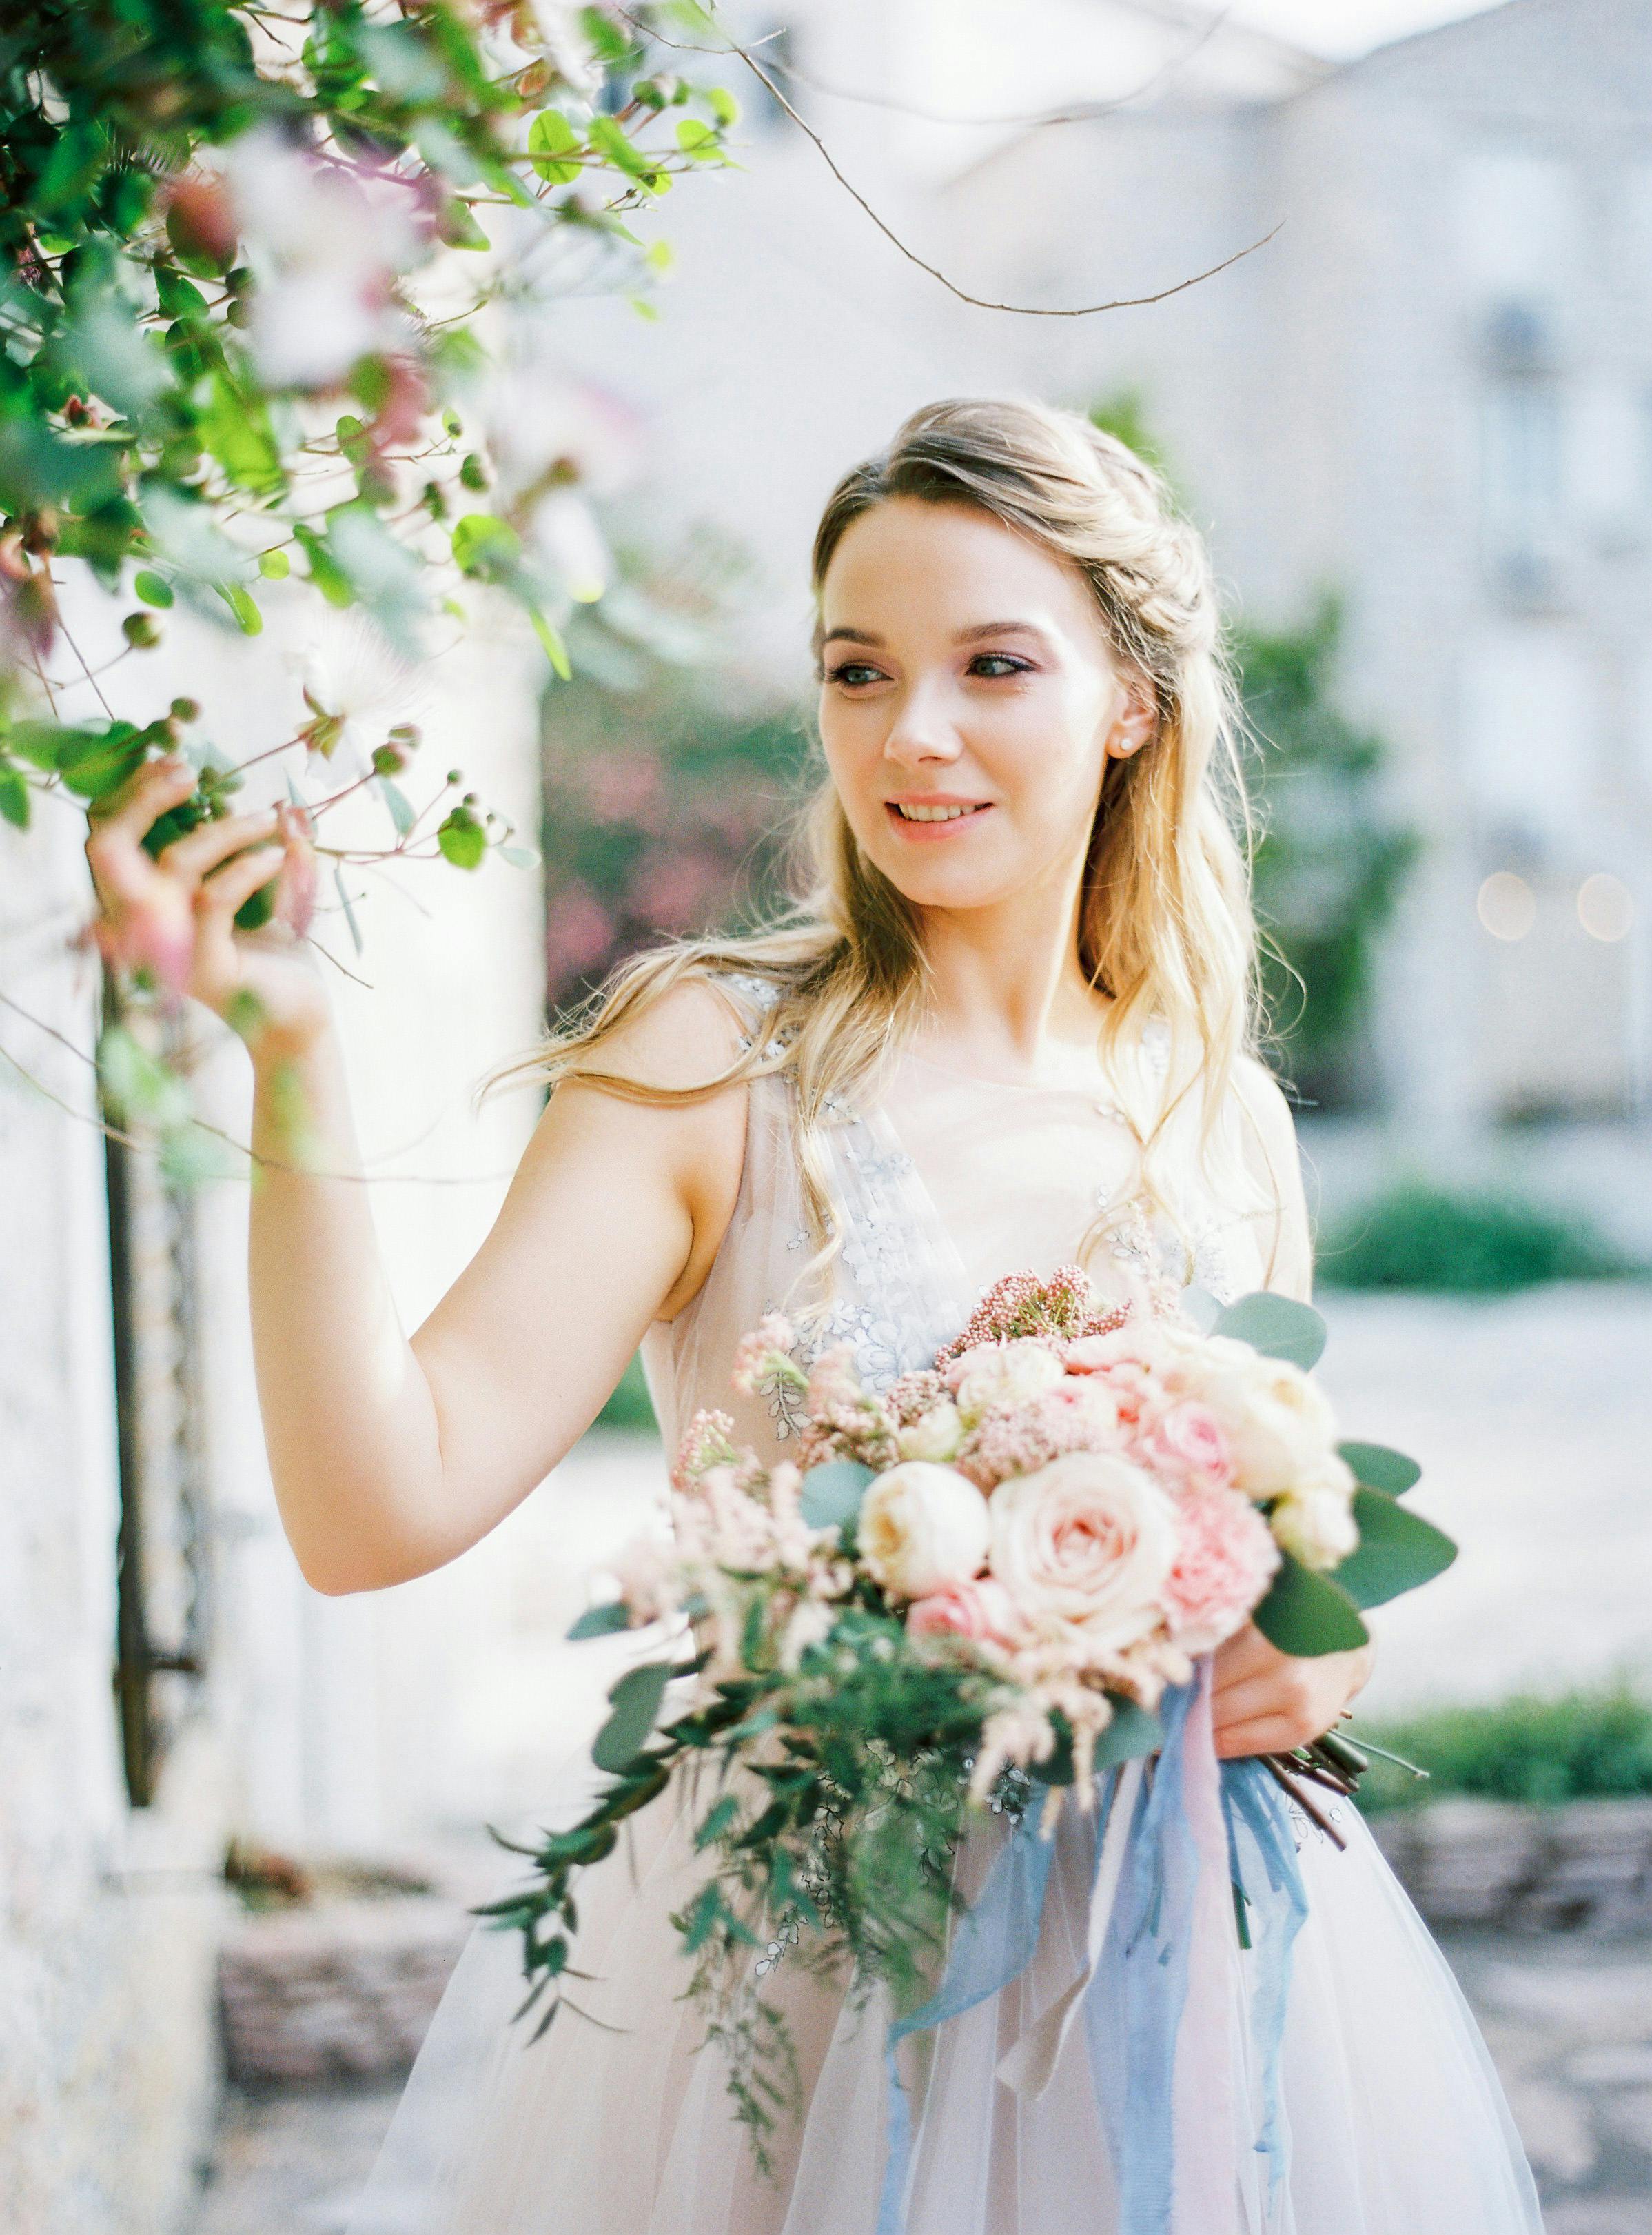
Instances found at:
x=1186 y=1440
x=1226 y=1557
x=1083 y=1547
x=979 y=1609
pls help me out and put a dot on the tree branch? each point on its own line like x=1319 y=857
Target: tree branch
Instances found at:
x=976 y=302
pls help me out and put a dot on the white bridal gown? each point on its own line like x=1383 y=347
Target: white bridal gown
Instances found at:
x=1390 y=2121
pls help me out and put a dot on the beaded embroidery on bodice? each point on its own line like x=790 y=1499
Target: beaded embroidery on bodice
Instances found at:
x=900 y=1286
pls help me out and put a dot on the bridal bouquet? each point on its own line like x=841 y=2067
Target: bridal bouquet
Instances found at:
x=968 y=1591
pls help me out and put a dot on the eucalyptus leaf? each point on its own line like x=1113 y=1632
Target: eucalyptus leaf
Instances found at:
x=1376 y=1468
x=602 y=1621
x=1397 y=1550
x=1278 y=1327
x=832 y=1492
x=1307 y=1614
x=1134 y=1730
x=635 y=1702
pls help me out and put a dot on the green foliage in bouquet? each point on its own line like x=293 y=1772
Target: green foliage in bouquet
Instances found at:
x=830 y=1796
x=844 y=1718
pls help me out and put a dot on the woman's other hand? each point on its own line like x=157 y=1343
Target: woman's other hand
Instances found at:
x=1266 y=1702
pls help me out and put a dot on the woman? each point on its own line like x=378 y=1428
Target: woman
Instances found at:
x=1011 y=1024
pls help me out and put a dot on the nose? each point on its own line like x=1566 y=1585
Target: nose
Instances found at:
x=922 y=730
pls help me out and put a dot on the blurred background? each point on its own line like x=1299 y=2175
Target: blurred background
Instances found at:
x=1416 y=426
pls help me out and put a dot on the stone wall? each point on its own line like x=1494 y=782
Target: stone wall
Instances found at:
x=109 y=1919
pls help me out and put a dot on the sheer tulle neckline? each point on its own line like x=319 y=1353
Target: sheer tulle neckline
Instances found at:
x=1085 y=1077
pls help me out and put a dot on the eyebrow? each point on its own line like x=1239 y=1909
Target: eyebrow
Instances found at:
x=971 y=635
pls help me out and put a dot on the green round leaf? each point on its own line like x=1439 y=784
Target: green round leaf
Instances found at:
x=1277 y=1325
x=1397 y=1550
x=462 y=840
x=636 y=1702
x=153 y=588
x=832 y=1492
x=1379 y=1468
x=1134 y=1730
x=1307 y=1614
x=274 y=566
x=602 y=1621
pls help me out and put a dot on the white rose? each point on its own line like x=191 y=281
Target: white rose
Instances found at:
x=1003 y=1374
x=922 y=1526
x=1085 y=1546
x=935 y=1435
x=1277 y=1421
x=1314 y=1521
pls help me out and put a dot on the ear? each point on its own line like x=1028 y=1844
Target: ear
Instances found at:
x=1136 y=720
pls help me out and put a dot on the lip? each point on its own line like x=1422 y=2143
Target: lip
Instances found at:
x=927 y=834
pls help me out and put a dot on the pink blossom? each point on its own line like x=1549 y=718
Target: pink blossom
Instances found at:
x=1186 y=1441
x=1225 y=1555
x=979 y=1609
x=754 y=1351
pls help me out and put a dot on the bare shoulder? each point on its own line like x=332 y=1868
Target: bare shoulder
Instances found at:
x=686 y=1037
x=677 y=1163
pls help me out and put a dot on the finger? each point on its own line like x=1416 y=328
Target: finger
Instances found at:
x=190 y=857
x=1261 y=1735
x=131 y=808
x=117 y=826
x=1243 y=1658
x=1257 y=1695
x=222 y=893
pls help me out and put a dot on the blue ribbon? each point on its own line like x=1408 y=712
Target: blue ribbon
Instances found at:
x=1262 y=1845
x=1133 y=2011
x=993 y=1944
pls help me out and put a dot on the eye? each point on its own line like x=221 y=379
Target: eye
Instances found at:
x=853 y=673
x=993 y=664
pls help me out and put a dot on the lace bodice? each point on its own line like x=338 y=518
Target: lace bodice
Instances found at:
x=944 y=1183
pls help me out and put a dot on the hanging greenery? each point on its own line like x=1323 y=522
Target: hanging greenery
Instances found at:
x=262 y=272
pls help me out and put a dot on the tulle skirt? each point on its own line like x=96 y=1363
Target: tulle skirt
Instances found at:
x=617 y=2121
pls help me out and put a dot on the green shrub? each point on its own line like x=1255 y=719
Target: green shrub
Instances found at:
x=1593 y=1743
x=1477 y=1242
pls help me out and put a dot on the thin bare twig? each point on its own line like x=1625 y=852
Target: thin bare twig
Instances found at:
x=1085 y=112
x=976 y=302
x=148 y=1147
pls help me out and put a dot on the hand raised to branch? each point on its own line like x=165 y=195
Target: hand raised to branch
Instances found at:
x=173 y=914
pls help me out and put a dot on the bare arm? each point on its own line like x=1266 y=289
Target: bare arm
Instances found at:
x=389 y=1455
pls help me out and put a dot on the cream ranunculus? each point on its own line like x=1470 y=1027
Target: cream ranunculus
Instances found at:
x=1277 y=1421
x=1084 y=1545
x=1315 y=1520
x=1001 y=1373
x=934 y=1435
x=921 y=1527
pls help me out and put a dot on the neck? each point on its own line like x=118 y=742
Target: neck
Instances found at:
x=1005 y=981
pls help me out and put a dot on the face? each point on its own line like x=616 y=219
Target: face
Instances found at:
x=969 y=702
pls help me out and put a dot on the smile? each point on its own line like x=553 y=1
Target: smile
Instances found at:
x=947 y=811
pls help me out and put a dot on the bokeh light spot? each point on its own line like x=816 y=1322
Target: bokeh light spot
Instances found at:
x=1505 y=905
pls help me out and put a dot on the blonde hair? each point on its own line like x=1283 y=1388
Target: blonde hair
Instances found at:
x=1165 y=929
